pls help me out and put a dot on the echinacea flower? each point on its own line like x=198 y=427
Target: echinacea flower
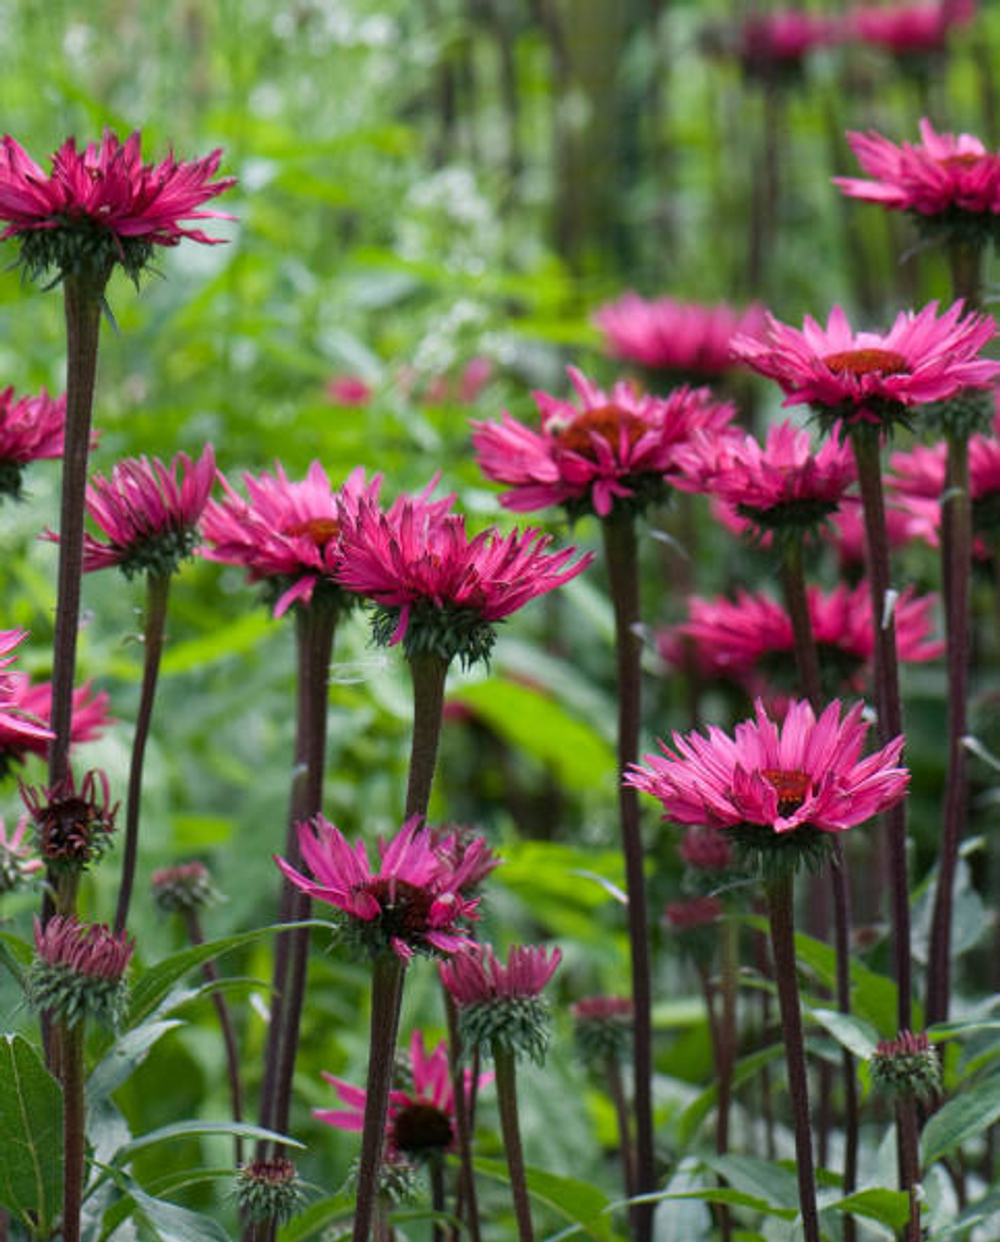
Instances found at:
x=19 y=728
x=33 y=700
x=692 y=913
x=73 y=824
x=687 y=340
x=777 y=43
x=907 y=1066
x=872 y=377
x=917 y=482
x=183 y=888
x=412 y=904
x=602 y=1027
x=421 y=1118
x=17 y=861
x=437 y=590
x=705 y=849
x=287 y=533
x=846 y=531
x=78 y=971
x=909 y=30
x=611 y=449
x=269 y=1189
x=103 y=205
x=31 y=429
x=766 y=784
x=464 y=850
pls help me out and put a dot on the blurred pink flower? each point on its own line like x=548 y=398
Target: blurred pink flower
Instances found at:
x=846 y=531
x=31 y=429
x=478 y=977
x=18 y=728
x=413 y=903
x=89 y=719
x=603 y=1009
x=420 y=1121
x=781 y=40
x=908 y=29
x=663 y=334
x=107 y=188
x=17 y=860
x=705 y=849
x=692 y=912
x=286 y=533
x=808 y=773
x=868 y=375
x=613 y=447
x=348 y=390
x=474 y=378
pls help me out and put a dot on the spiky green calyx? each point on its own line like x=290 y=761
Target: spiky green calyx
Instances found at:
x=518 y=1025
x=444 y=632
x=765 y=854
x=71 y=997
x=181 y=889
x=269 y=1190
x=907 y=1066
x=647 y=490
x=80 y=247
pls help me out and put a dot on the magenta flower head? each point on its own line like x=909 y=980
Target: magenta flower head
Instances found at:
x=78 y=971
x=602 y=1028
x=465 y=851
x=31 y=429
x=869 y=377
x=912 y=32
x=20 y=729
x=436 y=590
x=777 y=793
x=183 y=888
x=102 y=205
x=148 y=513
x=949 y=182
x=17 y=861
x=287 y=534
x=610 y=449
x=421 y=1119
x=776 y=45
x=501 y=1007
x=907 y=1066
x=692 y=913
x=73 y=825
x=685 y=340
x=706 y=849
x=413 y=904
x=33 y=701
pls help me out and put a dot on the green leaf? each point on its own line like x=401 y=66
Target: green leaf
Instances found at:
x=15 y=954
x=170 y=1223
x=888 y=1207
x=702 y=1105
x=721 y=1194
x=960 y=1119
x=316 y=1218
x=584 y=1205
x=188 y=1129
x=124 y=1056
x=754 y=1177
x=31 y=1113
x=978 y=1213
x=852 y=1033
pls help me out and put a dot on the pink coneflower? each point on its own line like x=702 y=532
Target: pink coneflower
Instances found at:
x=846 y=531
x=287 y=534
x=809 y=773
x=147 y=512
x=909 y=29
x=705 y=849
x=18 y=728
x=73 y=823
x=917 y=482
x=870 y=376
x=692 y=912
x=86 y=949
x=686 y=339
x=31 y=429
x=103 y=204
x=462 y=849
x=78 y=971
x=438 y=590
x=612 y=448
x=350 y=390
x=779 y=42
x=413 y=903
x=17 y=860
x=479 y=977
x=90 y=716
x=421 y=1120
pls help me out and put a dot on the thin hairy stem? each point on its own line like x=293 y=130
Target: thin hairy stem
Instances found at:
x=429 y=673
x=71 y=1072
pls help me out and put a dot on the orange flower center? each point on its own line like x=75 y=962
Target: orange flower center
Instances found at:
x=791 y=787
x=867 y=362
x=967 y=160
x=606 y=421
x=319 y=530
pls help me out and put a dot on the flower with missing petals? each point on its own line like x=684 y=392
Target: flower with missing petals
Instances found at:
x=73 y=826
x=286 y=534
x=78 y=971
x=17 y=862
x=777 y=793
x=103 y=205
x=608 y=450
x=31 y=429
x=90 y=717
x=871 y=377
x=412 y=904
x=436 y=590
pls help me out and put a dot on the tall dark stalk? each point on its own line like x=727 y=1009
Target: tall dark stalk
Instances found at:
x=908 y=1131
x=429 y=673
x=70 y=1039
x=621 y=553
x=157 y=595
x=780 y=912
x=619 y=1101
x=506 y=1082
x=865 y=443
x=468 y=1207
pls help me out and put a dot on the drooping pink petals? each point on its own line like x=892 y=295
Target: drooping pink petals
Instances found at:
x=479 y=976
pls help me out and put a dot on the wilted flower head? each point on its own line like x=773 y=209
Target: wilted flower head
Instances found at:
x=414 y=904
x=73 y=826
x=421 y=1119
x=31 y=429
x=78 y=971
x=287 y=534
x=685 y=339
x=436 y=590
x=776 y=792
x=182 y=888
x=602 y=1027
x=17 y=862
x=872 y=377
x=907 y=1066
x=909 y=30
x=501 y=1006
x=102 y=205
x=616 y=448
x=269 y=1189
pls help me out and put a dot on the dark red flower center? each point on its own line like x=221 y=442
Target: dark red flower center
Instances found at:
x=405 y=907
x=791 y=787
x=607 y=422
x=420 y=1127
x=67 y=828
x=867 y=362
x=319 y=530
x=969 y=159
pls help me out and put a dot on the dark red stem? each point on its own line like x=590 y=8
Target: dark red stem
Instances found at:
x=71 y=1072
x=621 y=555
x=506 y=1083
x=468 y=1206
x=908 y=1129
x=429 y=673
x=616 y=1090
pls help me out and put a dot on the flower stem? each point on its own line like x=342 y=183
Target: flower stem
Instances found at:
x=157 y=595
x=435 y=1168
x=211 y=973
x=468 y=1209
x=70 y=1040
x=780 y=912
x=82 y=303
x=510 y=1127
x=428 y=672
x=387 y=992
x=908 y=1131
x=865 y=443
x=616 y=1090
x=793 y=581
x=621 y=554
